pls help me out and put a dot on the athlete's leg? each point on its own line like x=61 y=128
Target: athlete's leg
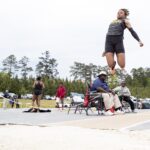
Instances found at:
x=33 y=100
x=120 y=52
x=121 y=63
x=109 y=53
x=121 y=60
x=38 y=100
x=110 y=61
x=35 y=109
x=33 y=103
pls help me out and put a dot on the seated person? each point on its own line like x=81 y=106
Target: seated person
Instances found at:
x=109 y=97
x=12 y=101
x=6 y=94
x=124 y=94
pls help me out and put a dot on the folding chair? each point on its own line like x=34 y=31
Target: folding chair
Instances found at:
x=74 y=103
x=92 y=99
x=125 y=105
x=95 y=100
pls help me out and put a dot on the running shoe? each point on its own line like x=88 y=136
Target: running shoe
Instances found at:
x=134 y=111
x=118 y=112
x=108 y=113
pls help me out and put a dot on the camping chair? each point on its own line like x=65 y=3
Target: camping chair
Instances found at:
x=91 y=99
x=125 y=105
x=74 y=101
x=95 y=101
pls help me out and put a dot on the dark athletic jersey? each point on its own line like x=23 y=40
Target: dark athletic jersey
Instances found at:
x=38 y=86
x=116 y=27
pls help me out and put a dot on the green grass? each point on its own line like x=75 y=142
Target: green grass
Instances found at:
x=26 y=103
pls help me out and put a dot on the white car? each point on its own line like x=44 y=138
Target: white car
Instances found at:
x=29 y=96
x=48 y=97
x=1 y=94
x=77 y=97
x=12 y=94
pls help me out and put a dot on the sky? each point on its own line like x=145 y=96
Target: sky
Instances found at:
x=72 y=30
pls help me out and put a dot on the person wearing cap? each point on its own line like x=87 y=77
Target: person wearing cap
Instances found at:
x=109 y=97
x=124 y=94
x=6 y=94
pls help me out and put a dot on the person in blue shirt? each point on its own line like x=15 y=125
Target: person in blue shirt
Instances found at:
x=109 y=97
x=6 y=94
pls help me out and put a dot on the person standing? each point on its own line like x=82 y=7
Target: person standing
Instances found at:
x=38 y=87
x=60 y=94
x=114 y=40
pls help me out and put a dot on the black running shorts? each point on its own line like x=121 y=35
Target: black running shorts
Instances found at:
x=37 y=92
x=114 y=44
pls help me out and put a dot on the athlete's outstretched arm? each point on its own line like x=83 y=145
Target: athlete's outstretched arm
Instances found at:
x=134 y=34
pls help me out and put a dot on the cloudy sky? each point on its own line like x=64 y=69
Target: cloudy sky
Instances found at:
x=73 y=30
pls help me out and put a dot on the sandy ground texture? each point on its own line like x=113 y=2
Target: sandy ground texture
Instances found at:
x=111 y=122
x=120 y=132
x=71 y=138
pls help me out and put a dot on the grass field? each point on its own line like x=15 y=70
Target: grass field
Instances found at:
x=26 y=103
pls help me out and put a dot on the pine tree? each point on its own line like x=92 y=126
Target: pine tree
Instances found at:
x=47 y=66
x=10 y=65
x=23 y=65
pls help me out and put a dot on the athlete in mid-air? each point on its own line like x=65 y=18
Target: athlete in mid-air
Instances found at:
x=114 y=40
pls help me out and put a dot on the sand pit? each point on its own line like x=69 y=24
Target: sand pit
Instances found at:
x=70 y=138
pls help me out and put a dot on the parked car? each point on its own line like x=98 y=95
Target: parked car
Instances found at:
x=146 y=100
x=12 y=95
x=145 y=105
x=23 y=96
x=48 y=97
x=76 y=94
x=27 y=96
x=137 y=102
x=77 y=97
x=1 y=94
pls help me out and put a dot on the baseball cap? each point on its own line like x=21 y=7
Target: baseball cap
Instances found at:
x=102 y=73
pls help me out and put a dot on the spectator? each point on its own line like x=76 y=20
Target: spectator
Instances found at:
x=38 y=87
x=6 y=94
x=12 y=101
x=60 y=94
x=17 y=103
x=109 y=97
x=124 y=94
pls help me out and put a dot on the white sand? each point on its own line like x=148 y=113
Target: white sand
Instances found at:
x=71 y=138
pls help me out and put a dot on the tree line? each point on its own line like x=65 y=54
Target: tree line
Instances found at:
x=15 y=76
x=47 y=66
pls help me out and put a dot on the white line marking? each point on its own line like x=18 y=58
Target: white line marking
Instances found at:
x=133 y=125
